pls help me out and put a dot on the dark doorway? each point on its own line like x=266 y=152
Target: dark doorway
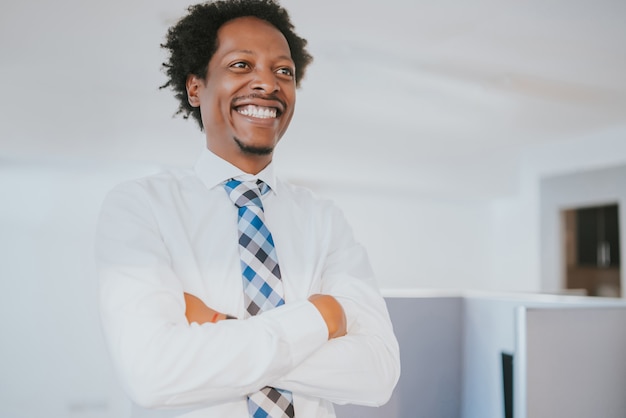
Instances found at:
x=592 y=251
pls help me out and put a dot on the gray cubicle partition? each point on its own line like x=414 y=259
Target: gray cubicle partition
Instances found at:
x=451 y=351
x=571 y=362
x=430 y=334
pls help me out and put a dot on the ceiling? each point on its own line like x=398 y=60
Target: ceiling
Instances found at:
x=427 y=94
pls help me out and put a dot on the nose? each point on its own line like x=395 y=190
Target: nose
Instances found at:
x=265 y=80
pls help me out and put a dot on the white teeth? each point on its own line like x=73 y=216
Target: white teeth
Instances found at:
x=257 y=111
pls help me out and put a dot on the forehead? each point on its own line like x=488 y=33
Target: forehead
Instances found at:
x=251 y=34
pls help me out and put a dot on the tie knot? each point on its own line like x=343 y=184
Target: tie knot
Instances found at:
x=246 y=193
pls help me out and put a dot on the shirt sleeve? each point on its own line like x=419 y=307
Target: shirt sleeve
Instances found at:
x=162 y=360
x=362 y=367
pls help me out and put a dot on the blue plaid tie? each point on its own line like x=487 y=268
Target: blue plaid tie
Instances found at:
x=263 y=288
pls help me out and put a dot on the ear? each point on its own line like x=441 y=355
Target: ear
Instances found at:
x=193 y=85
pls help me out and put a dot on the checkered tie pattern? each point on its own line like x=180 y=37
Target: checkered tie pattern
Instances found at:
x=263 y=288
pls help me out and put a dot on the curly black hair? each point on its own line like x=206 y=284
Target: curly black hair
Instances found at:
x=192 y=41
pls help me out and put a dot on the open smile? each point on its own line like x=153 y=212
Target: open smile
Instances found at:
x=259 y=112
x=259 y=106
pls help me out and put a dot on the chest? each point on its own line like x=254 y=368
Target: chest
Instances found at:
x=202 y=234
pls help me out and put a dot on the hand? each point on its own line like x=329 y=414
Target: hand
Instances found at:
x=197 y=311
x=333 y=314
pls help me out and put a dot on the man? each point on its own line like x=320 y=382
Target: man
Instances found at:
x=283 y=321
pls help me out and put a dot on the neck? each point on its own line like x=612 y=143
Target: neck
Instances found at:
x=250 y=160
x=248 y=163
x=251 y=166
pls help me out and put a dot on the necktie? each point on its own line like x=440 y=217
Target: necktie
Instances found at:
x=263 y=288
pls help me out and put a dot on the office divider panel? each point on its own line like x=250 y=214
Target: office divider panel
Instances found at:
x=572 y=362
x=430 y=334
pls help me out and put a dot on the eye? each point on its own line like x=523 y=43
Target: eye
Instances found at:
x=286 y=71
x=241 y=65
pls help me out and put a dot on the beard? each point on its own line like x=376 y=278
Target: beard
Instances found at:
x=251 y=149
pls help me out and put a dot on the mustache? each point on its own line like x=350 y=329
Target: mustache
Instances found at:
x=271 y=96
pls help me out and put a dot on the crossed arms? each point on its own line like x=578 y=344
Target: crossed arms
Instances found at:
x=171 y=349
x=329 y=308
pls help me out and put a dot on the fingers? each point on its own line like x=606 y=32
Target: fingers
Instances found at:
x=197 y=311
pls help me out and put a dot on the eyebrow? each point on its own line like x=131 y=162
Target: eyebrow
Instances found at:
x=249 y=52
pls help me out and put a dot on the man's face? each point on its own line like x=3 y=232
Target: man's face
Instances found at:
x=248 y=97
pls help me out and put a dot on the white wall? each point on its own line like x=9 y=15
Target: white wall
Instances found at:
x=419 y=241
x=52 y=356
x=516 y=241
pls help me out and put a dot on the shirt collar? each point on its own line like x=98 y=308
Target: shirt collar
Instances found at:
x=213 y=171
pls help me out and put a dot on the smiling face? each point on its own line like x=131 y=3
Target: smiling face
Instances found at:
x=248 y=96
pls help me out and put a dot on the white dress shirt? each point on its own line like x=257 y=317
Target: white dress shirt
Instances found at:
x=176 y=232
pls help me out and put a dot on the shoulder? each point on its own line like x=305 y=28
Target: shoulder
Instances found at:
x=301 y=194
x=309 y=201
x=142 y=195
x=154 y=184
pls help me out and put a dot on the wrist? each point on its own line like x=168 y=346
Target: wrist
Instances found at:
x=220 y=317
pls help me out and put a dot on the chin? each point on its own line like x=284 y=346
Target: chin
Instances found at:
x=253 y=149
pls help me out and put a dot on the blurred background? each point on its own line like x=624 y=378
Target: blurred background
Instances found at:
x=473 y=145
